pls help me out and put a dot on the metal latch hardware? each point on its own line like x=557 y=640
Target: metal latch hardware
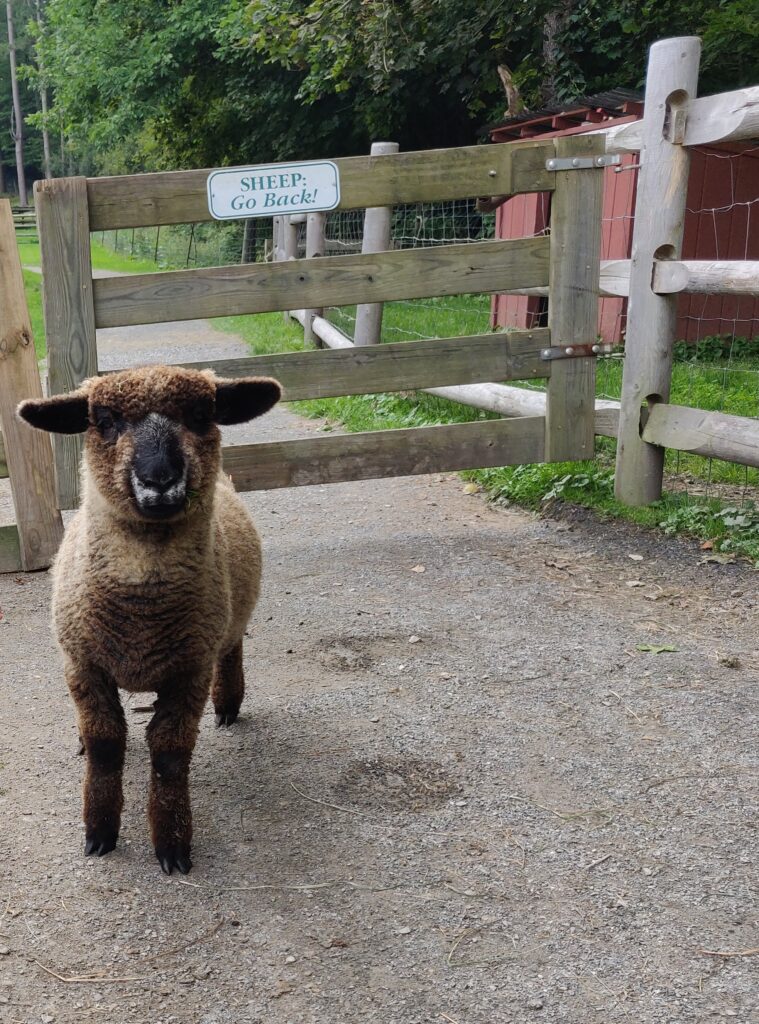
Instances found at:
x=575 y=351
x=577 y=163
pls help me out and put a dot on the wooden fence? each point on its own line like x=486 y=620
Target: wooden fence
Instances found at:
x=25 y=455
x=76 y=305
x=556 y=425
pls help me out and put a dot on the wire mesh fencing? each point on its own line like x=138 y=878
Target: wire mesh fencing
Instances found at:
x=416 y=226
x=184 y=246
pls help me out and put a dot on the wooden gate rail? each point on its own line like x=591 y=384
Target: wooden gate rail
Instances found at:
x=329 y=281
x=180 y=197
x=400 y=366
x=383 y=453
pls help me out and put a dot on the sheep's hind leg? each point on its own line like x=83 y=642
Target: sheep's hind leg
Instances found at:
x=228 y=686
x=171 y=737
x=102 y=733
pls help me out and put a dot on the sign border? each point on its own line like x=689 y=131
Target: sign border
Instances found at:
x=278 y=167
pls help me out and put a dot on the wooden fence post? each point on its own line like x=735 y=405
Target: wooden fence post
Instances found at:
x=289 y=248
x=276 y=232
x=315 y=226
x=573 y=300
x=28 y=453
x=64 y=230
x=671 y=81
x=377 y=238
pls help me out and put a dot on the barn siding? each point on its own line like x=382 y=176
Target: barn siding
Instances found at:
x=722 y=222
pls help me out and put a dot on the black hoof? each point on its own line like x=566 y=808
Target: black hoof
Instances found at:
x=226 y=718
x=174 y=855
x=100 y=841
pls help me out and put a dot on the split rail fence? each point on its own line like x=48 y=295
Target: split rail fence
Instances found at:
x=652 y=280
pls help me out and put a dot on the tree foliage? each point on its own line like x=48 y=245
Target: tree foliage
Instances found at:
x=207 y=82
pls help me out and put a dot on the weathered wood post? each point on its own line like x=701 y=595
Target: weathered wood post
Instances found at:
x=289 y=247
x=64 y=230
x=576 y=207
x=377 y=238
x=671 y=81
x=315 y=226
x=28 y=456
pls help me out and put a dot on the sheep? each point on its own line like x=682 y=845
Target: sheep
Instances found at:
x=155 y=580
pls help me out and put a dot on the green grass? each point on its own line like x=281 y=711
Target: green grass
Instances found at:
x=709 y=383
x=102 y=259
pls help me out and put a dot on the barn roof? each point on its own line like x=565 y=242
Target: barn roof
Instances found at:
x=585 y=109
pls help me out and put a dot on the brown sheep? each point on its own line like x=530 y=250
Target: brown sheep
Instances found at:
x=155 y=580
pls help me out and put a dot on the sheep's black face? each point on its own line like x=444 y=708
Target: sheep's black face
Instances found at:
x=159 y=470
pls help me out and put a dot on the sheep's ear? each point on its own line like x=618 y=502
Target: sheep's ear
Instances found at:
x=238 y=401
x=63 y=414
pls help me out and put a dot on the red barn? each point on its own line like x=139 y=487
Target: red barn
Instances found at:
x=722 y=220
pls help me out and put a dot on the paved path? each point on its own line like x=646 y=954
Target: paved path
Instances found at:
x=458 y=792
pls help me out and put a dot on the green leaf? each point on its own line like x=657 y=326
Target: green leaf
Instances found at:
x=658 y=648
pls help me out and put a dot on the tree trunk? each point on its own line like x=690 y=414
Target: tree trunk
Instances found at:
x=17 y=127
x=43 y=104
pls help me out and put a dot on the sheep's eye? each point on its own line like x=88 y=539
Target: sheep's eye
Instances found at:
x=109 y=425
x=198 y=417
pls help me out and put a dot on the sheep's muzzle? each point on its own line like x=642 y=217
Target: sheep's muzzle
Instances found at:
x=158 y=474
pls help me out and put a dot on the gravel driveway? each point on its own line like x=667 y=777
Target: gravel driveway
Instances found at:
x=459 y=790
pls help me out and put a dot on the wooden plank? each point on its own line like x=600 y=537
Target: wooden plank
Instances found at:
x=331 y=281
x=707 y=277
x=401 y=366
x=10 y=551
x=385 y=453
x=28 y=452
x=68 y=305
x=3 y=461
x=179 y=197
x=711 y=434
x=573 y=301
x=658 y=232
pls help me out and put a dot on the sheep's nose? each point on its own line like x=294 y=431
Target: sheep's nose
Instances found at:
x=160 y=478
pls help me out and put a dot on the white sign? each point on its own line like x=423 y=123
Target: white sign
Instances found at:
x=273 y=189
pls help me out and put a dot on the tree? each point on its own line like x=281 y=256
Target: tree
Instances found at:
x=17 y=117
x=177 y=83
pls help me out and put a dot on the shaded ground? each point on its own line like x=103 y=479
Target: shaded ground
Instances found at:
x=459 y=792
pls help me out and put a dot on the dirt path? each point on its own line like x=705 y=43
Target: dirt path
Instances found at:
x=459 y=792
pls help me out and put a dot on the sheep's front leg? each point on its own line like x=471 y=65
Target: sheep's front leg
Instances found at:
x=171 y=737
x=103 y=731
x=228 y=687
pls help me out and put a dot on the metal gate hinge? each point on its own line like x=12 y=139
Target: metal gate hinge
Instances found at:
x=578 y=163
x=575 y=351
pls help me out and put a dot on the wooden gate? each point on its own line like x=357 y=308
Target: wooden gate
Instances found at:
x=68 y=209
